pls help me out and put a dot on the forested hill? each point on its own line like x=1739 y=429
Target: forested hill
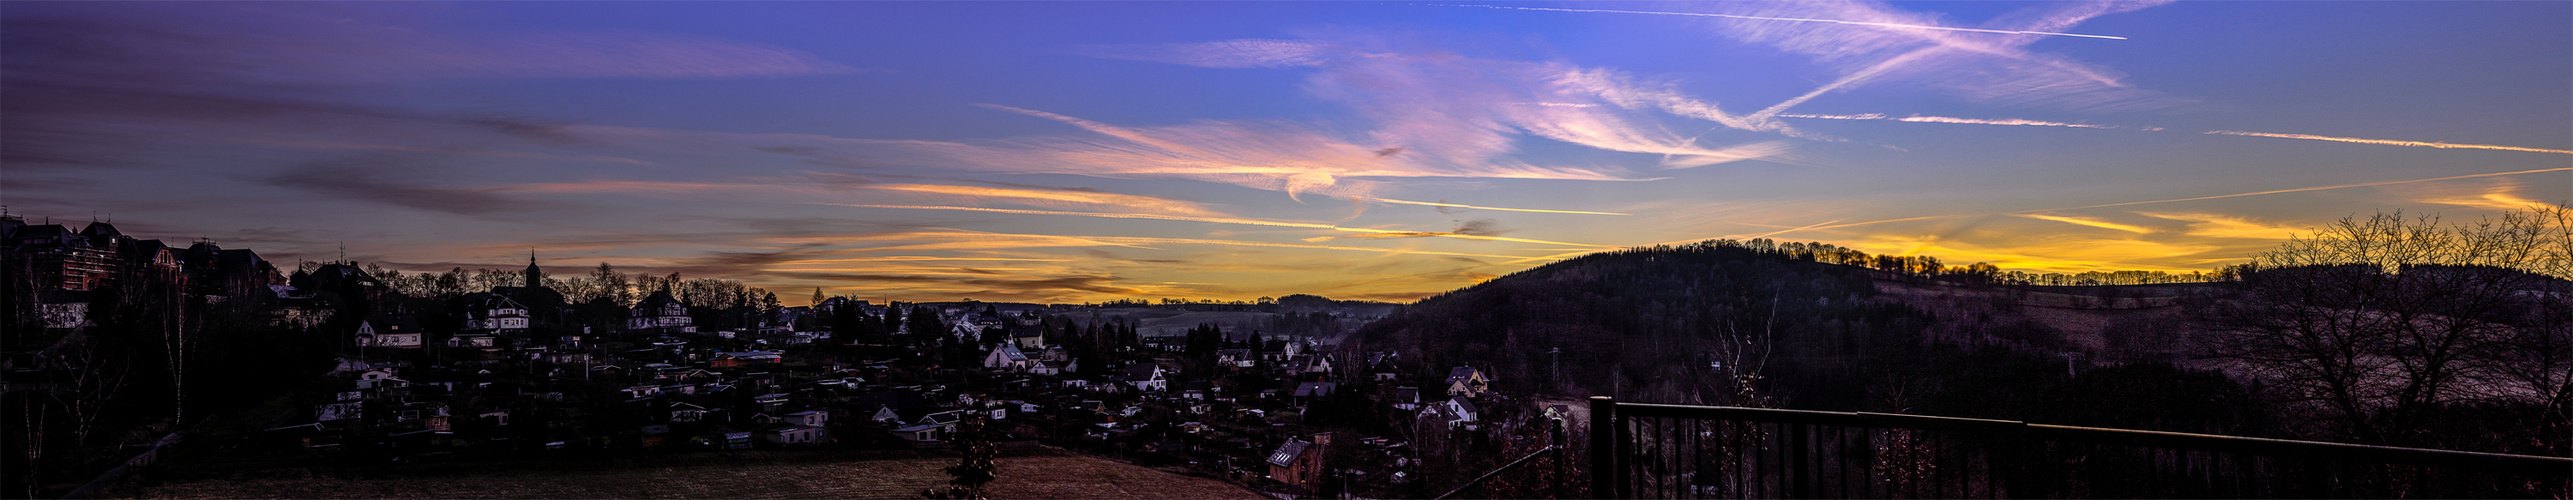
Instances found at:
x=1783 y=325
x=1654 y=318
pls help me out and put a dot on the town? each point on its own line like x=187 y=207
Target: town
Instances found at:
x=347 y=363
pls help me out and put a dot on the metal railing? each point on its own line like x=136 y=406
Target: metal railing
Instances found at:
x=1554 y=453
x=1675 y=451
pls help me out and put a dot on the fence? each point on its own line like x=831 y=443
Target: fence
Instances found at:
x=1674 y=451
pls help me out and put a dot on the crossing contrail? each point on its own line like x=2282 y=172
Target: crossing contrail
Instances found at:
x=1799 y=20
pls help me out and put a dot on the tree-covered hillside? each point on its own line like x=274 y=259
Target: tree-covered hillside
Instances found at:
x=1763 y=324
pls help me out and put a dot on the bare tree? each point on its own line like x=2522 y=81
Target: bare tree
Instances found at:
x=93 y=374
x=2375 y=321
x=28 y=429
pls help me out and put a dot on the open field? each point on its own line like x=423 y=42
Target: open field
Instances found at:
x=1044 y=474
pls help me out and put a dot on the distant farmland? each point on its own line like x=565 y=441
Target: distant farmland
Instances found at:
x=1043 y=475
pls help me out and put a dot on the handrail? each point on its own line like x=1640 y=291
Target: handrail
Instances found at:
x=2020 y=458
x=2130 y=436
x=1555 y=449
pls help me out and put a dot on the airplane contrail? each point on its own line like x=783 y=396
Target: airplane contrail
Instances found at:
x=1799 y=20
x=1460 y=205
x=2309 y=137
x=1968 y=121
x=2314 y=188
x=2387 y=142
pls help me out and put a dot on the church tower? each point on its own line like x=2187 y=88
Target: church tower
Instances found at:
x=535 y=277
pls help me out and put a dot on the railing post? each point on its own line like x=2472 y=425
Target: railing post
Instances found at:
x=1556 y=438
x=1603 y=447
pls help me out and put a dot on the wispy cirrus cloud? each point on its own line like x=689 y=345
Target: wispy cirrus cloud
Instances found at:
x=2092 y=222
x=1478 y=207
x=1237 y=53
x=1475 y=230
x=1057 y=198
x=2052 y=253
x=2497 y=194
x=1444 y=115
x=2215 y=225
x=93 y=85
x=368 y=179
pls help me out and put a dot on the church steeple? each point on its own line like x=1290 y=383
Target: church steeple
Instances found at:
x=535 y=277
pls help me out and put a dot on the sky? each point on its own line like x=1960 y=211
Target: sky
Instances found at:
x=1087 y=152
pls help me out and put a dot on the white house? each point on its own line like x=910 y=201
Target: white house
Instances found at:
x=1146 y=377
x=1456 y=412
x=384 y=331
x=1007 y=357
x=495 y=313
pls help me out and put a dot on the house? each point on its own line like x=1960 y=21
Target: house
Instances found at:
x=1308 y=363
x=1032 y=339
x=1298 y=462
x=945 y=420
x=64 y=309
x=1405 y=398
x=745 y=358
x=1007 y=357
x=1559 y=412
x=793 y=434
x=884 y=414
x=1146 y=377
x=1310 y=391
x=493 y=313
x=1236 y=358
x=809 y=418
x=888 y=405
x=921 y=436
x=660 y=313
x=684 y=412
x=384 y=330
x=1457 y=412
x=1046 y=368
x=1467 y=381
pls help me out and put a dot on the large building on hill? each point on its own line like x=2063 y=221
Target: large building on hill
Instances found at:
x=660 y=313
x=64 y=260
